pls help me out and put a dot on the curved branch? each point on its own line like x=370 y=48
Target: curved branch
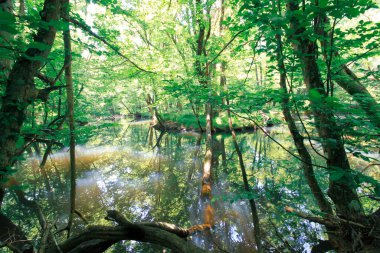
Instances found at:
x=163 y=234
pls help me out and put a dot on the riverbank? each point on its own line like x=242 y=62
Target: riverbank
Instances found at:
x=188 y=122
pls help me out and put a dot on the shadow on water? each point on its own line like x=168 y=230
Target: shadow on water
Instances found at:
x=156 y=176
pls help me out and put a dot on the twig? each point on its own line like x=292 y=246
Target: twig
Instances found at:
x=87 y=29
x=329 y=220
x=225 y=46
x=277 y=142
x=81 y=216
x=370 y=165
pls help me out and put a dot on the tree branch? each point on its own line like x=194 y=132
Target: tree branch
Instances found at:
x=225 y=46
x=143 y=232
x=87 y=29
x=43 y=94
x=328 y=220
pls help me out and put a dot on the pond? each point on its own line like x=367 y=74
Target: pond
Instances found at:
x=150 y=175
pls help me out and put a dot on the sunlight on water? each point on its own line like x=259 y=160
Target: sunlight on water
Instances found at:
x=162 y=182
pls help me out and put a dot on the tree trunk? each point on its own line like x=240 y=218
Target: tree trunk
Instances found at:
x=163 y=234
x=342 y=191
x=298 y=139
x=344 y=77
x=21 y=10
x=222 y=64
x=5 y=62
x=45 y=177
x=207 y=180
x=203 y=74
x=70 y=115
x=20 y=88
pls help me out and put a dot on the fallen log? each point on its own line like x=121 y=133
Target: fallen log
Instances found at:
x=98 y=238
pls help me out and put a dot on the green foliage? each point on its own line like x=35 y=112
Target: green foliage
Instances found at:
x=162 y=36
x=7 y=22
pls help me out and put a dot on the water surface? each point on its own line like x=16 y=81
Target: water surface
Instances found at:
x=150 y=175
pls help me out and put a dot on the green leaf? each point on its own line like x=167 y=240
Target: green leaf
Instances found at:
x=333 y=102
x=35 y=58
x=353 y=12
x=20 y=142
x=336 y=175
x=6 y=18
x=315 y=96
x=6 y=53
x=40 y=46
x=18 y=187
x=9 y=28
x=377 y=190
x=323 y=3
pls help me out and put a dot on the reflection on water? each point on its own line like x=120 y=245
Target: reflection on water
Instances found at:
x=154 y=176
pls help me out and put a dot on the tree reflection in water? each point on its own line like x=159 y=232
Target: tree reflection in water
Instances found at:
x=155 y=176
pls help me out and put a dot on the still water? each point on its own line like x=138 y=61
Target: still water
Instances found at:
x=150 y=175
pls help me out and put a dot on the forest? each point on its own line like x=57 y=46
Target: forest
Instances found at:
x=245 y=126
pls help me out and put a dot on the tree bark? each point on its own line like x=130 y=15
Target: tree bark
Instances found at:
x=20 y=88
x=203 y=74
x=345 y=78
x=21 y=10
x=298 y=139
x=5 y=63
x=70 y=113
x=101 y=237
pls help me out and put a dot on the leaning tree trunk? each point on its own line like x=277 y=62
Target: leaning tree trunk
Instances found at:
x=344 y=77
x=298 y=139
x=20 y=88
x=341 y=191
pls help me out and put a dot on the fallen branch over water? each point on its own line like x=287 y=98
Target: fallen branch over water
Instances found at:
x=99 y=238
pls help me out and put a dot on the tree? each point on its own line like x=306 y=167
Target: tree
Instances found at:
x=20 y=88
x=214 y=67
